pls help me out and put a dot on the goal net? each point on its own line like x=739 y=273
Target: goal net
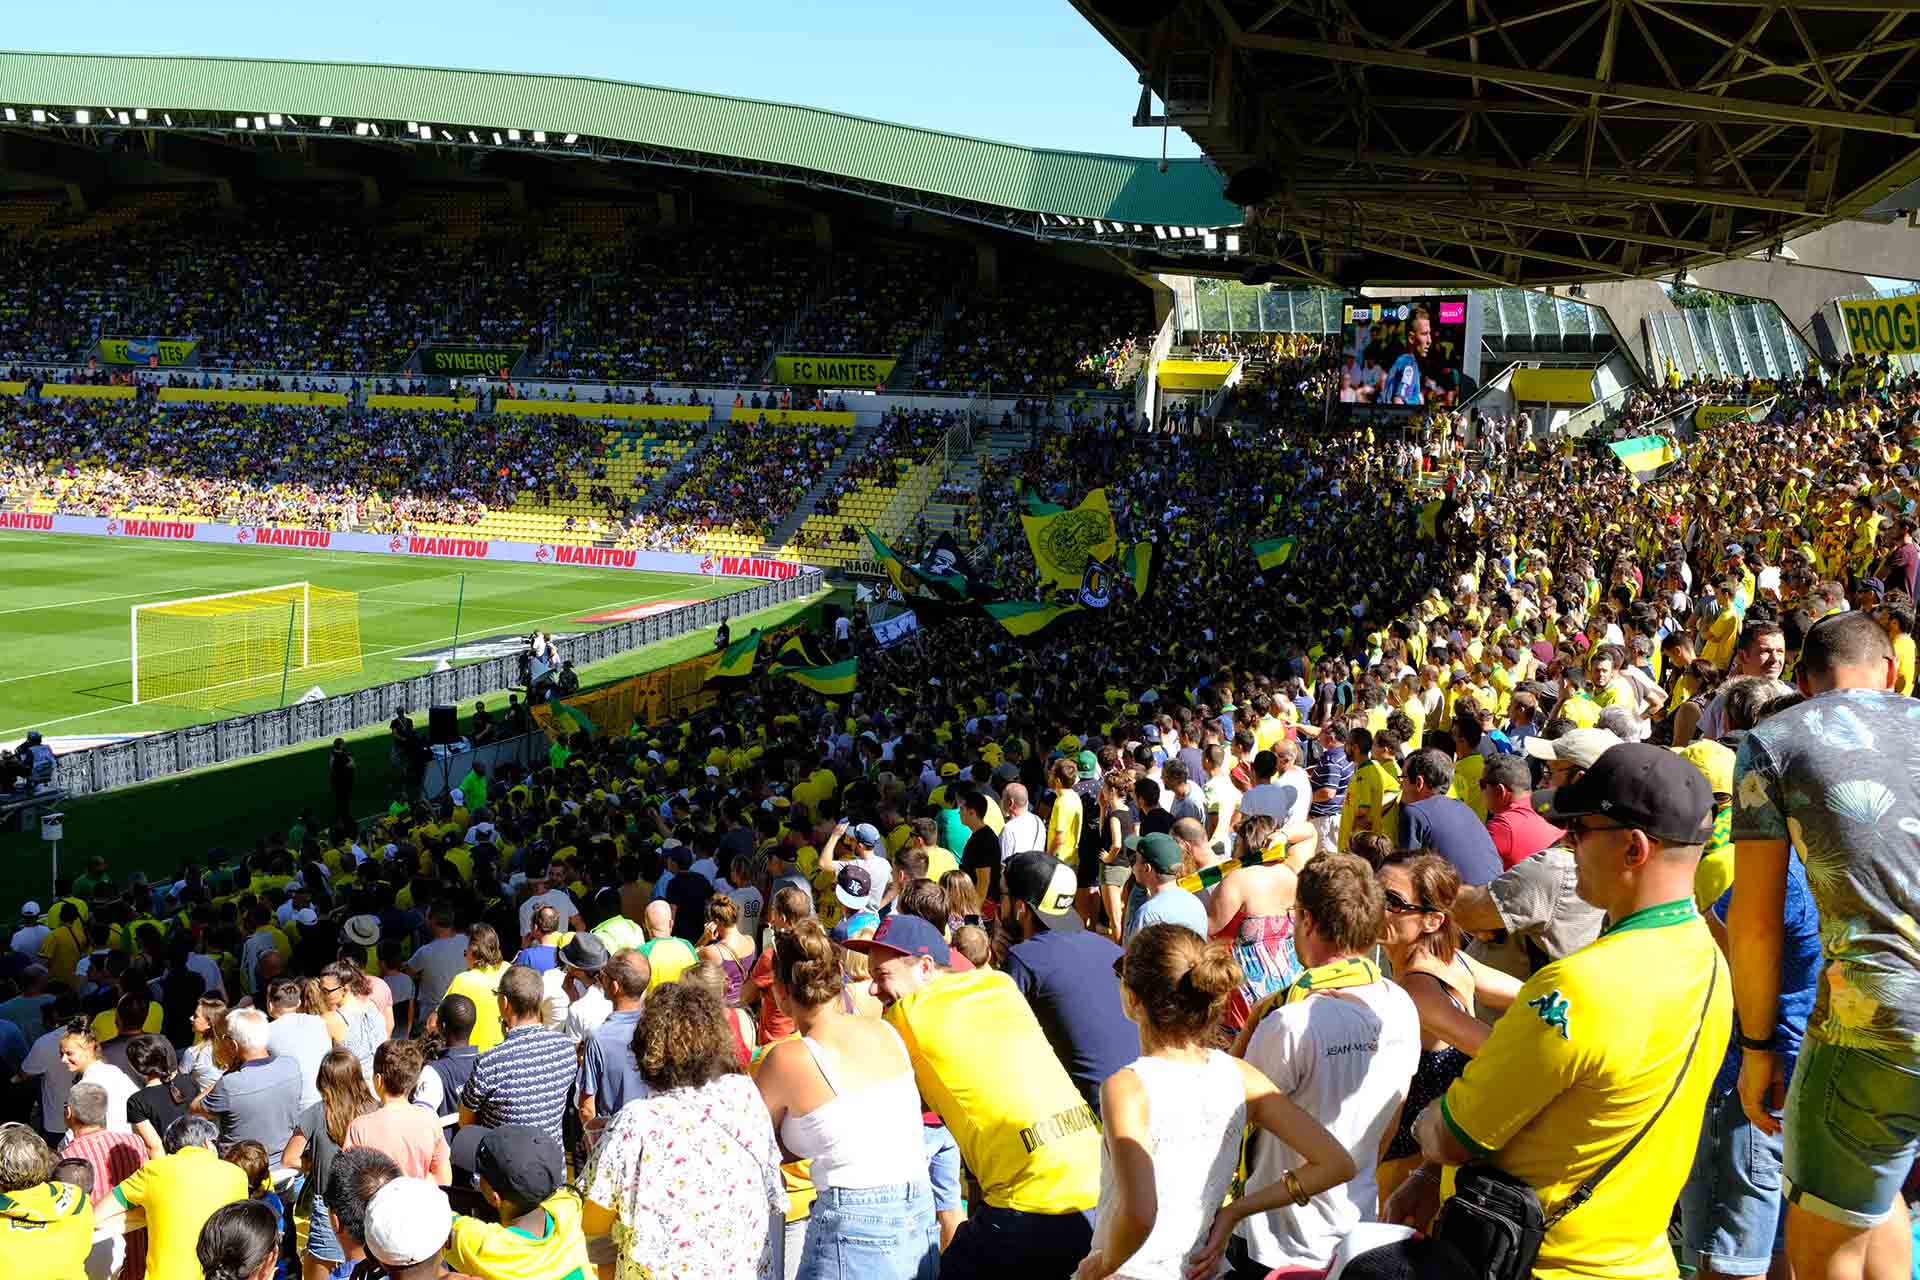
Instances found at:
x=214 y=651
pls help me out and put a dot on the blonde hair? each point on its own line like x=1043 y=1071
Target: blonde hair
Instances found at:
x=1181 y=980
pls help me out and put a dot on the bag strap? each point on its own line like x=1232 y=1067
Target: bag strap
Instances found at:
x=1585 y=1190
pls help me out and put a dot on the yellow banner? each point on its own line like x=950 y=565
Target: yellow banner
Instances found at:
x=797 y=417
x=593 y=409
x=833 y=371
x=1877 y=326
x=453 y=404
x=165 y=352
x=242 y=395
x=656 y=697
x=1553 y=386
x=1194 y=375
x=75 y=391
x=1064 y=543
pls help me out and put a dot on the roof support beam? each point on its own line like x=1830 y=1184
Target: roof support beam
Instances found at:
x=1553 y=81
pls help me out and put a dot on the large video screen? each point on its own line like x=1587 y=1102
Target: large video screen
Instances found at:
x=1409 y=353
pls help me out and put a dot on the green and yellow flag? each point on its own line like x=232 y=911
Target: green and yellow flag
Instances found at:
x=1275 y=552
x=1065 y=541
x=1028 y=617
x=1430 y=518
x=834 y=678
x=1137 y=564
x=799 y=652
x=735 y=662
x=897 y=569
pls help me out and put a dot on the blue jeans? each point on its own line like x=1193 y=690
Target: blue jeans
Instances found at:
x=1731 y=1209
x=943 y=1167
x=1853 y=1125
x=996 y=1244
x=872 y=1233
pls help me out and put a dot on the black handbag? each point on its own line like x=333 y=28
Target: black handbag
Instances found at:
x=1494 y=1218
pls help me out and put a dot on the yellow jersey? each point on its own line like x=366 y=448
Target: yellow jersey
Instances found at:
x=509 y=1253
x=1579 y=1064
x=1467 y=771
x=482 y=986
x=1063 y=827
x=179 y=1193
x=1020 y=1122
x=46 y=1231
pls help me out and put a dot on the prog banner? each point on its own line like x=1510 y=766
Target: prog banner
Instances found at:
x=833 y=371
x=468 y=362
x=165 y=352
x=1877 y=326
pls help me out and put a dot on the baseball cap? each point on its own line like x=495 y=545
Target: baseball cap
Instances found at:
x=949 y=770
x=905 y=936
x=362 y=931
x=1160 y=851
x=866 y=833
x=29 y=910
x=1067 y=745
x=584 y=951
x=1644 y=787
x=1045 y=884
x=521 y=1162
x=1735 y=549
x=1008 y=772
x=1577 y=747
x=854 y=887
x=1087 y=763
x=458 y=797
x=408 y=1221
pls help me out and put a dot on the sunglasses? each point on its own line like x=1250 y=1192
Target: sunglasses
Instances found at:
x=1399 y=906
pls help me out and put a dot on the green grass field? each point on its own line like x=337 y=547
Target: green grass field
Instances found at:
x=65 y=604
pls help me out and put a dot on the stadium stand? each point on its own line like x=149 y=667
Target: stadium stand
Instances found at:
x=1036 y=339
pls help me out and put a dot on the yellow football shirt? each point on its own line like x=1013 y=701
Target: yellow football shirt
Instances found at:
x=1583 y=1060
x=482 y=986
x=508 y=1253
x=179 y=1193
x=46 y=1231
x=1466 y=783
x=1063 y=827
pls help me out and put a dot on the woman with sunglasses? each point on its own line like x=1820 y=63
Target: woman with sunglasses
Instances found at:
x=1422 y=947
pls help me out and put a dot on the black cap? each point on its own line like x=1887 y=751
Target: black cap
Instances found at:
x=1640 y=786
x=521 y=1163
x=1045 y=884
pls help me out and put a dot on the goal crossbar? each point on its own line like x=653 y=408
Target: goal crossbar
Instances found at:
x=301 y=626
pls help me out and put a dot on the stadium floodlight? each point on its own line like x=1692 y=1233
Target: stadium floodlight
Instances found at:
x=446 y=135
x=513 y=135
x=239 y=122
x=539 y=136
x=1099 y=227
x=326 y=122
x=1211 y=241
x=413 y=126
x=140 y=113
x=473 y=137
x=1233 y=242
x=125 y=118
x=83 y=116
x=1160 y=232
x=274 y=118
x=375 y=128
x=360 y=130
x=11 y=117
x=168 y=117
x=496 y=137
x=572 y=138
x=259 y=122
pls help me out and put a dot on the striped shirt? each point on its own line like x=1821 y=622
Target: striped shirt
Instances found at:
x=115 y=1157
x=1332 y=770
x=525 y=1079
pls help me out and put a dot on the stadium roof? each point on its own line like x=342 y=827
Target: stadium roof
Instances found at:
x=621 y=121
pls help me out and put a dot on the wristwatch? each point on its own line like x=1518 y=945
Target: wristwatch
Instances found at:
x=1767 y=1045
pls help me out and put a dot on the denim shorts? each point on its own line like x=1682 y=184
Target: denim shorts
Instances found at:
x=1731 y=1209
x=320 y=1240
x=872 y=1233
x=1852 y=1125
x=943 y=1167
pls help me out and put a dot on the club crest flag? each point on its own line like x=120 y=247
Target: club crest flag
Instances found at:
x=1064 y=543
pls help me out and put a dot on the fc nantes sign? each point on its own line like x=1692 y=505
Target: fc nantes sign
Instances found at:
x=167 y=353
x=1883 y=325
x=833 y=371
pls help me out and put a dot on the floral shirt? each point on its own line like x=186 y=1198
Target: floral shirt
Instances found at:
x=1839 y=777
x=693 y=1179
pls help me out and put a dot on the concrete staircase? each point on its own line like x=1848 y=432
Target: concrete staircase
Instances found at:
x=785 y=530
x=994 y=445
x=901 y=379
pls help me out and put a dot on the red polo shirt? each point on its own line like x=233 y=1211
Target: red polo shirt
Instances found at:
x=1519 y=833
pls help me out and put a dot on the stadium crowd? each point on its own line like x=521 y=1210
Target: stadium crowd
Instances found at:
x=1047 y=332
x=1412 y=852
x=746 y=478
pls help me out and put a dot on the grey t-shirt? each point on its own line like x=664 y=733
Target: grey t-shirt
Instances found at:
x=303 y=1038
x=1839 y=778
x=1537 y=903
x=437 y=963
x=259 y=1102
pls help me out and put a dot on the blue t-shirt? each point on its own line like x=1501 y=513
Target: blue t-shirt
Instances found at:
x=608 y=1070
x=1403 y=381
x=1068 y=980
x=1170 y=906
x=539 y=959
x=1799 y=975
x=1453 y=831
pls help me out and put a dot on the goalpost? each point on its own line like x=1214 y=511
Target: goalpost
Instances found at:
x=218 y=649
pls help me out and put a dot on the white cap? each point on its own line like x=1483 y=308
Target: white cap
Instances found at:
x=1578 y=747
x=457 y=796
x=713 y=771
x=408 y=1221
x=29 y=909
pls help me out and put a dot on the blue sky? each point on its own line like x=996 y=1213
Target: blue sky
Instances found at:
x=1033 y=72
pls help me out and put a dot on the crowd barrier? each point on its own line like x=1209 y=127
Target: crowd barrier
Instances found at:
x=247 y=395
x=161 y=755
x=405 y=544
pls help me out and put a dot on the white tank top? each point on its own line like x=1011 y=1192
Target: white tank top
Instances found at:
x=867 y=1138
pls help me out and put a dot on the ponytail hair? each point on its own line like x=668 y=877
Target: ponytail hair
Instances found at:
x=805 y=964
x=237 y=1240
x=1181 y=980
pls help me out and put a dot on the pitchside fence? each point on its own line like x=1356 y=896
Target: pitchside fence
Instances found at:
x=161 y=755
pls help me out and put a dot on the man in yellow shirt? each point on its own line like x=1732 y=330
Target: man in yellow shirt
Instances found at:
x=179 y=1192
x=1583 y=1061
x=1895 y=615
x=1063 y=821
x=46 y=1228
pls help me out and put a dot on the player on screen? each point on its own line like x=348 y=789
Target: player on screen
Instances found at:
x=1404 y=382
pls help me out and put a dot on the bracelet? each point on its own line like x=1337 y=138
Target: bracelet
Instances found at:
x=1768 y=1045
x=1295 y=1192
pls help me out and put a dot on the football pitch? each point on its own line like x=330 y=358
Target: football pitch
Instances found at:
x=66 y=601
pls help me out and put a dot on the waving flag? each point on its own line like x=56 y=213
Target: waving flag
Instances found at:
x=1064 y=542
x=735 y=662
x=1028 y=617
x=1275 y=551
x=836 y=678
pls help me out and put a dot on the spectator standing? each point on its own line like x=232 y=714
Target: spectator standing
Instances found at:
x=668 y=956
x=1330 y=776
x=1517 y=830
x=408 y=1222
x=258 y=1100
x=1039 y=1197
x=46 y=1227
x=723 y=944
x=111 y=1157
x=790 y=905
x=179 y=1192
x=687 y=1179
x=314 y=1148
x=239 y=1241
x=1023 y=831
x=1432 y=819
x=437 y=963
x=524 y=1080
x=1829 y=781
x=80 y=1056
x=354 y=1022
x=1174 y=1120
x=353 y=1180
x=340 y=774
x=1342 y=1042
x=521 y=1171
x=609 y=1071
x=411 y=1136
x=1157 y=864
x=842 y=1095
x=446 y=1074
x=479 y=982
x=298 y=1035
x=1065 y=971
x=1583 y=1064
x=166 y=1095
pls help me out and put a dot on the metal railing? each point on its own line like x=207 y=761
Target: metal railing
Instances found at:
x=1585 y=420
x=162 y=755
